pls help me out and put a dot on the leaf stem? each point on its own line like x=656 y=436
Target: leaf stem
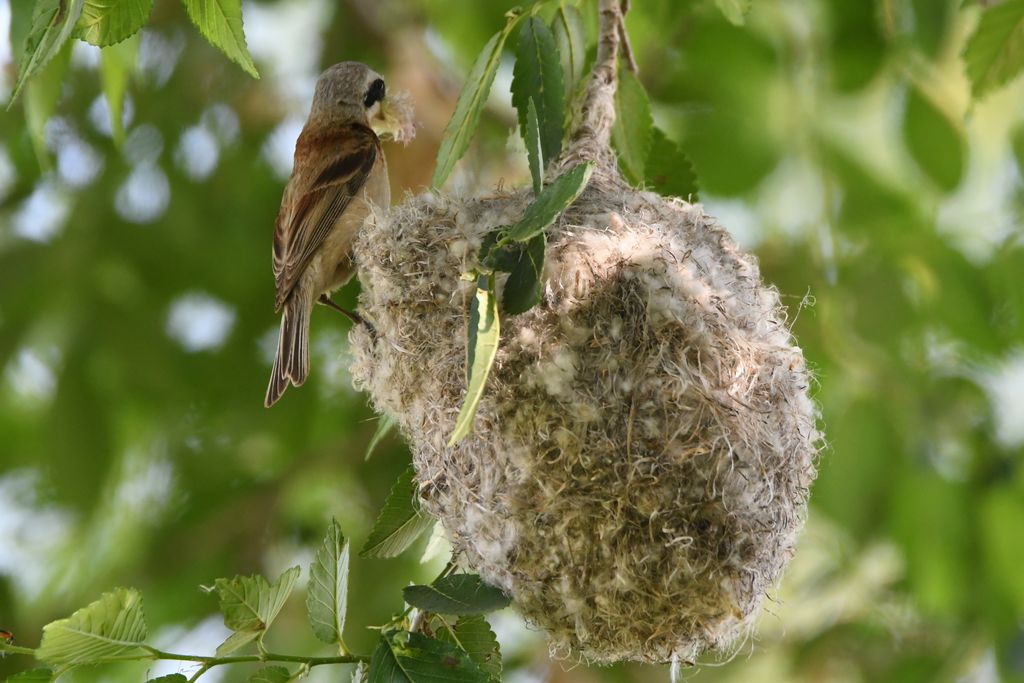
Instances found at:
x=265 y=656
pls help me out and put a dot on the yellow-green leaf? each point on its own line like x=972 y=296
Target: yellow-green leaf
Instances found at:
x=571 y=41
x=116 y=65
x=41 y=98
x=53 y=22
x=327 y=597
x=470 y=104
x=220 y=22
x=734 y=10
x=481 y=349
x=113 y=625
x=995 y=53
x=400 y=522
x=107 y=22
x=631 y=134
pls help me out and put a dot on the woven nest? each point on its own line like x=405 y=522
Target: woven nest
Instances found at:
x=641 y=457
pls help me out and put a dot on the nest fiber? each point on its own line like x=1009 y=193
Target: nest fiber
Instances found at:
x=641 y=457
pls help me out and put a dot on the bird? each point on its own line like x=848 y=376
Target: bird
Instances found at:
x=339 y=175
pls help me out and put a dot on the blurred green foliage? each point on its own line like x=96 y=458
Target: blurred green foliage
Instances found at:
x=841 y=141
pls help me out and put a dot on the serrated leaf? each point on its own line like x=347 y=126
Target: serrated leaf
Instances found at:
x=470 y=104
x=169 y=678
x=327 y=598
x=550 y=203
x=571 y=41
x=236 y=641
x=31 y=676
x=473 y=635
x=668 y=170
x=483 y=333
x=385 y=424
x=631 y=134
x=107 y=22
x=113 y=625
x=220 y=22
x=53 y=22
x=523 y=288
x=995 y=53
x=41 y=98
x=459 y=594
x=414 y=658
x=400 y=522
x=936 y=144
x=250 y=603
x=735 y=11
x=271 y=674
x=537 y=76
x=116 y=65
x=534 y=153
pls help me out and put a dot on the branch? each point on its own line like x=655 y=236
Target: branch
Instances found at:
x=592 y=136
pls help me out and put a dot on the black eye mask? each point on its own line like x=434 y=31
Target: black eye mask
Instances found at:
x=374 y=94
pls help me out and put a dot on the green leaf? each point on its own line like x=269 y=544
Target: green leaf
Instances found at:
x=31 y=676
x=403 y=657
x=995 y=53
x=523 y=288
x=116 y=65
x=668 y=170
x=401 y=521
x=53 y=21
x=169 y=678
x=550 y=203
x=571 y=41
x=271 y=674
x=236 y=641
x=220 y=22
x=937 y=145
x=470 y=104
x=459 y=594
x=537 y=76
x=113 y=625
x=534 y=153
x=631 y=134
x=473 y=635
x=106 y=22
x=385 y=424
x=41 y=98
x=250 y=603
x=327 y=598
x=1002 y=514
x=481 y=348
x=734 y=10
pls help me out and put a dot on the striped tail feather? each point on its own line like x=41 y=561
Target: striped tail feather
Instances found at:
x=291 y=364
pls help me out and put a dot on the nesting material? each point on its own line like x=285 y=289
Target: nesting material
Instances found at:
x=642 y=453
x=397 y=118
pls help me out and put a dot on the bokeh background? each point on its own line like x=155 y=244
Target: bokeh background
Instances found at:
x=837 y=139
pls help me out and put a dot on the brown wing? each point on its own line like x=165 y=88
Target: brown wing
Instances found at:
x=330 y=169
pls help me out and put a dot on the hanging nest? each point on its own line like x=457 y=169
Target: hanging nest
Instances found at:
x=640 y=460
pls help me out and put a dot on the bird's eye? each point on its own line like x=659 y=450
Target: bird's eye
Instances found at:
x=374 y=94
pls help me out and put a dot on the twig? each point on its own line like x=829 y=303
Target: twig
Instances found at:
x=592 y=135
x=627 y=47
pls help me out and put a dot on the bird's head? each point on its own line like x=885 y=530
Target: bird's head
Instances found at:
x=352 y=91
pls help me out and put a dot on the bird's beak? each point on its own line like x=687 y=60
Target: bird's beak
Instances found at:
x=395 y=118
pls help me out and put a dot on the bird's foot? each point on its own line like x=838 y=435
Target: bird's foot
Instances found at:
x=354 y=317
